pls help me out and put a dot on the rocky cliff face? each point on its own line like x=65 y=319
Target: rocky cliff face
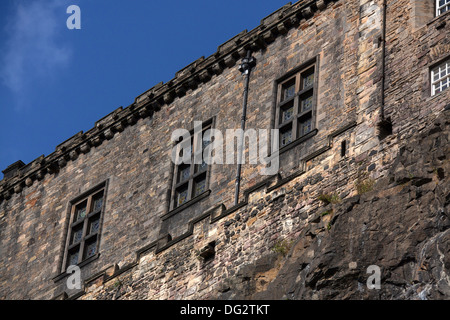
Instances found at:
x=400 y=224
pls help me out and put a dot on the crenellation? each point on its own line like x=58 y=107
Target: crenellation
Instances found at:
x=276 y=15
x=106 y=120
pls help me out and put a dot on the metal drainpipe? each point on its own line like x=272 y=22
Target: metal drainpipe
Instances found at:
x=385 y=124
x=245 y=67
x=383 y=60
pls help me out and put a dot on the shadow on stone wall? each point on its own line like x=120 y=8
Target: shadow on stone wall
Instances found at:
x=401 y=225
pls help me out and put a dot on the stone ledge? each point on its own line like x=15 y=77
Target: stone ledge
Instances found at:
x=186 y=205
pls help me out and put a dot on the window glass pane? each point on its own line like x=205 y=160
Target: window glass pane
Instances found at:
x=188 y=150
x=445 y=9
x=77 y=234
x=287 y=113
x=184 y=173
x=73 y=258
x=435 y=75
x=201 y=167
x=307 y=103
x=90 y=249
x=98 y=202
x=288 y=90
x=200 y=187
x=182 y=196
x=80 y=211
x=94 y=225
x=205 y=141
x=185 y=147
x=305 y=126
x=308 y=80
x=286 y=137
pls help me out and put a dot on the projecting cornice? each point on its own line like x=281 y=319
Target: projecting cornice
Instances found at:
x=190 y=77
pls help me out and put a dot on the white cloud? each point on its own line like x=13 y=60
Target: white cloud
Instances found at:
x=34 y=52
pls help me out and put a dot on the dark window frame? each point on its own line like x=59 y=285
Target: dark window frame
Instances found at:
x=195 y=175
x=301 y=94
x=87 y=237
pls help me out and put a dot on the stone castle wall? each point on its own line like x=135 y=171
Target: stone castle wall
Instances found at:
x=148 y=251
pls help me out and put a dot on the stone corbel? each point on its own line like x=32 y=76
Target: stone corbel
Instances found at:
x=18 y=188
x=321 y=4
x=29 y=181
x=62 y=162
x=41 y=174
x=242 y=52
x=205 y=76
x=73 y=155
x=52 y=167
x=258 y=42
x=269 y=36
x=109 y=134
x=180 y=90
x=96 y=141
x=230 y=61
x=169 y=97
x=145 y=112
x=7 y=194
x=294 y=21
x=282 y=28
x=192 y=82
x=119 y=127
x=132 y=119
x=155 y=105
x=217 y=68
x=307 y=12
x=85 y=148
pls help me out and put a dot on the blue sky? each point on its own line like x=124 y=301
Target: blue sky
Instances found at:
x=56 y=82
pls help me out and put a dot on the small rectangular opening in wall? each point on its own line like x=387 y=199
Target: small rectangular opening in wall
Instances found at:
x=343 y=148
x=384 y=128
x=208 y=251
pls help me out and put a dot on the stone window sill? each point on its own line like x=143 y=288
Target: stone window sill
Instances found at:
x=300 y=140
x=186 y=205
x=436 y=96
x=438 y=18
x=64 y=274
